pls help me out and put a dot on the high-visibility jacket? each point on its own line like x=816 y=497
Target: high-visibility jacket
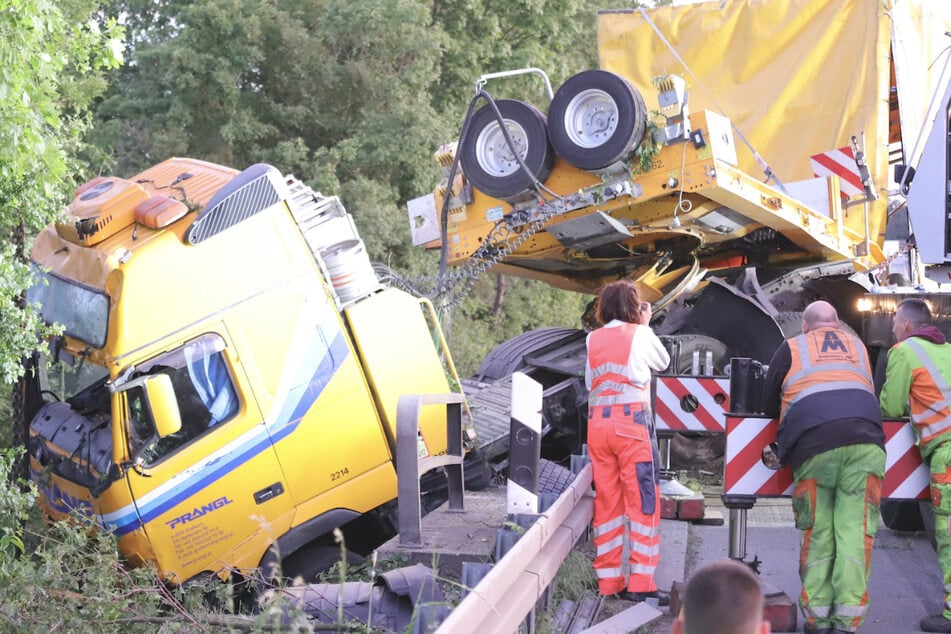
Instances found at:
x=829 y=379
x=823 y=360
x=623 y=452
x=613 y=374
x=915 y=379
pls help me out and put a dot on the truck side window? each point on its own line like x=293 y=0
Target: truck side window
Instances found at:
x=204 y=390
x=141 y=428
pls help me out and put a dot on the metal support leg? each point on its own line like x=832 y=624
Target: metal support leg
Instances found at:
x=738 y=505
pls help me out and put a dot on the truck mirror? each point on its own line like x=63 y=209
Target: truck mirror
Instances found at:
x=161 y=394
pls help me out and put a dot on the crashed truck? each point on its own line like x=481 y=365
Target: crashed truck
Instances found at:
x=225 y=391
x=737 y=160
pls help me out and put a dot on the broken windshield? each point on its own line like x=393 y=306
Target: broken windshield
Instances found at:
x=82 y=312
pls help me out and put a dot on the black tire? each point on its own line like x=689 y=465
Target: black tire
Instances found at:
x=927 y=518
x=488 y=161
x=596 y=119
x=683 y=362
x=902 y=515
x=509 y=356
x=313 y=559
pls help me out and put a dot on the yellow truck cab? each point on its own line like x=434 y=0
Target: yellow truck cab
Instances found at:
x=225 y=387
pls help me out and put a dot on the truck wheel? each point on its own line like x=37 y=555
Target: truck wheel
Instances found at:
x=509 y=356
x=313 y=559
x=490 y=163
x=596 y=119
x=683 y=347
x=902 y=515
x=927 y=518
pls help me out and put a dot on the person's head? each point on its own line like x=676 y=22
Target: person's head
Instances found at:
x=819 y=315
x=722 y=597
x=912 y=313
x=896 y=279
x=619 y=300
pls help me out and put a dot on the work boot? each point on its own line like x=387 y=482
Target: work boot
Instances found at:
x=812 y=629
x=936 y=623
x=662 y=597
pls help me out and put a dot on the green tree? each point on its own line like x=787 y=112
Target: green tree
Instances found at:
x=53 y=56
x=352 y=97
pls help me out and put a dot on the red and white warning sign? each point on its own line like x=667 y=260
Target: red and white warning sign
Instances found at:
x=906 y=477
x=842 y=163
x=689 y=403
x=743 y=471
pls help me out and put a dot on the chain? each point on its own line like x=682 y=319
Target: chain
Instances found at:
x=500 y=243
x=504 y=241
x=882 y=268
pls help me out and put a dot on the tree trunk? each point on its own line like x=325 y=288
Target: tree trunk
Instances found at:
x=500 y=285
x=20 y=426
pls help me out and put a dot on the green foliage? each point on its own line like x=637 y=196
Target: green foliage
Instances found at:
x=356 y=112
x=6 y=418
x=16 y=502
x=53 y=56
x=575 y=577
x=501 y=307
x=18 y=328
x=647 y=151
x=68 y=577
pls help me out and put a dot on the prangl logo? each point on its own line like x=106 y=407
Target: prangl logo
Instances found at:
x=199 y=512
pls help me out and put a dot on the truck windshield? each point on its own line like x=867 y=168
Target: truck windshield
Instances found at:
x=82 y=312
x=64 y=377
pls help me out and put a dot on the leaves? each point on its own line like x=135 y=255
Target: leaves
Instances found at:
x=53 y=56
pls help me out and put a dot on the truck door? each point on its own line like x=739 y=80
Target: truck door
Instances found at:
x=210 y=495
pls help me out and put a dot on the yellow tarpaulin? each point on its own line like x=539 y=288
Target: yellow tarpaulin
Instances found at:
x=796 y=77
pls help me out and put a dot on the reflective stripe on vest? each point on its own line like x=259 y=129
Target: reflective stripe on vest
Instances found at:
x=940 y=408
x=609 y=350
x=823 y=360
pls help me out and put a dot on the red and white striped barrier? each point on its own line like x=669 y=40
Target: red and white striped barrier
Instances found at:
x=906 y=477
x=743 y=471
x=691 y=403
x=842 y=163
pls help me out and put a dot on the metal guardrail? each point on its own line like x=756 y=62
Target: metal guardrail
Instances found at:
x=506 y=596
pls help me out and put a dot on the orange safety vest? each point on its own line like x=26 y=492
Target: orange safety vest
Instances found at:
x=928 y=399
x=823 y=360
x=609 y=350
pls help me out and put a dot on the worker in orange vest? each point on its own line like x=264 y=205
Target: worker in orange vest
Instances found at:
x=917 y=383
x=622 y=444
x=830 y=433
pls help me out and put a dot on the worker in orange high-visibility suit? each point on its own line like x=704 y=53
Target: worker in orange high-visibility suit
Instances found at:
x=622 y=445
x=918 y=382
x=830 y=433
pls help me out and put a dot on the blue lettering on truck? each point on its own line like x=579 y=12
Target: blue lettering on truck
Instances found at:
x=199 y=512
